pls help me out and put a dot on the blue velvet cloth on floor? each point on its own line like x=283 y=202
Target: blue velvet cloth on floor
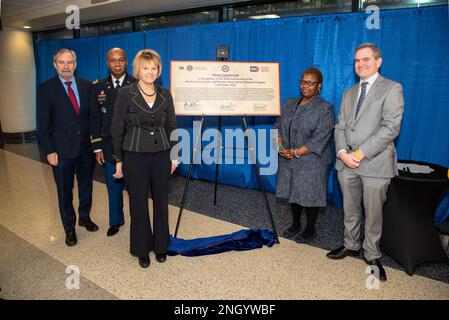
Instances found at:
x=237 y=241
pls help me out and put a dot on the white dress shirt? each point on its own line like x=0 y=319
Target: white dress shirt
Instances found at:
x=120 y=80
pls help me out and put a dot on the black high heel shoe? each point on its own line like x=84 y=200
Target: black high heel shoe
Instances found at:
x=291 y=232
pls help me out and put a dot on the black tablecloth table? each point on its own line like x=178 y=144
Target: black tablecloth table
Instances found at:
x=409 y=235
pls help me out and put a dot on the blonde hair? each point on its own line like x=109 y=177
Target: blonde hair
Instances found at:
x=146 y=55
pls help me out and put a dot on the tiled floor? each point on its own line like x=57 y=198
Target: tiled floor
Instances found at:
x=33 y=256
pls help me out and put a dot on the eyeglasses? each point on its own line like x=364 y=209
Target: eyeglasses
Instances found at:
x=307 y=84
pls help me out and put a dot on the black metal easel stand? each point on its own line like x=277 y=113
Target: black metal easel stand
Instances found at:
x=252 y=150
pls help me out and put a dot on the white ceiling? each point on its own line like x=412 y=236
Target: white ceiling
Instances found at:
x=51 y=14
x=13 y=7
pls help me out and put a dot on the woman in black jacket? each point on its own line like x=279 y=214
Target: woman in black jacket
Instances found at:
x=143 y=120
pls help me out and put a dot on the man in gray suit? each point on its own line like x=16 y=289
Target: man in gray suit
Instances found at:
x=369 y=120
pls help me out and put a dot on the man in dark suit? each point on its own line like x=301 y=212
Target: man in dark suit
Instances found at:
x=63 y=106
x=102 y=108
x=369 y=120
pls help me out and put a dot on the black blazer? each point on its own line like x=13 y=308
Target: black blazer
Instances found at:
x=102 y=108
x=61 y=130
x=136 y=127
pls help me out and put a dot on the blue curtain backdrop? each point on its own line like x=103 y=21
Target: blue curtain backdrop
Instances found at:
x=415 y=45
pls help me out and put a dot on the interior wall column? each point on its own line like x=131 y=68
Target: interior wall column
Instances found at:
x=17 y=86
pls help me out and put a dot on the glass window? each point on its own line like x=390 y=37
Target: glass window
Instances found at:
x=232 y=12
x=285 y=9
x=394 y=4
x=107 y=28
x=55 y=34
x=155 y=22
x=88 y=31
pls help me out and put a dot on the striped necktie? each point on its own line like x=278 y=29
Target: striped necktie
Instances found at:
x=361 y=98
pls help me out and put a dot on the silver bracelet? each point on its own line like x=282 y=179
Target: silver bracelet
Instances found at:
x=296 y=154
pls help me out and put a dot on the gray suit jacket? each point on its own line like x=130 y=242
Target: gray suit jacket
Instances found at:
x=375 y=128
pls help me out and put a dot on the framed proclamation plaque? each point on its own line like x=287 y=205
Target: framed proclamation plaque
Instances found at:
x=225 y=88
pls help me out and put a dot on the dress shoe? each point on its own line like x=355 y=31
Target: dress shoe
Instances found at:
x=88 y=224
x=301 y=238
x=291 y=232
x=70 y=238
x=144 y=262
x=114 y=229
x=342 y=253
x=161 y=257
x=376 y=263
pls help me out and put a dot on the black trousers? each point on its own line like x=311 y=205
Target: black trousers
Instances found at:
x=64 y=173
x=144 y=172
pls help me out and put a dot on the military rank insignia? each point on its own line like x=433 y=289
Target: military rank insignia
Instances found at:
x=101 y=97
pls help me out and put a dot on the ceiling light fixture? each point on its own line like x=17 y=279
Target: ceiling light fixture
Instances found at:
x=265 y=16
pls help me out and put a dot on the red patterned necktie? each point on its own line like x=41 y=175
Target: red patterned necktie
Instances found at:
x=73 y=97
